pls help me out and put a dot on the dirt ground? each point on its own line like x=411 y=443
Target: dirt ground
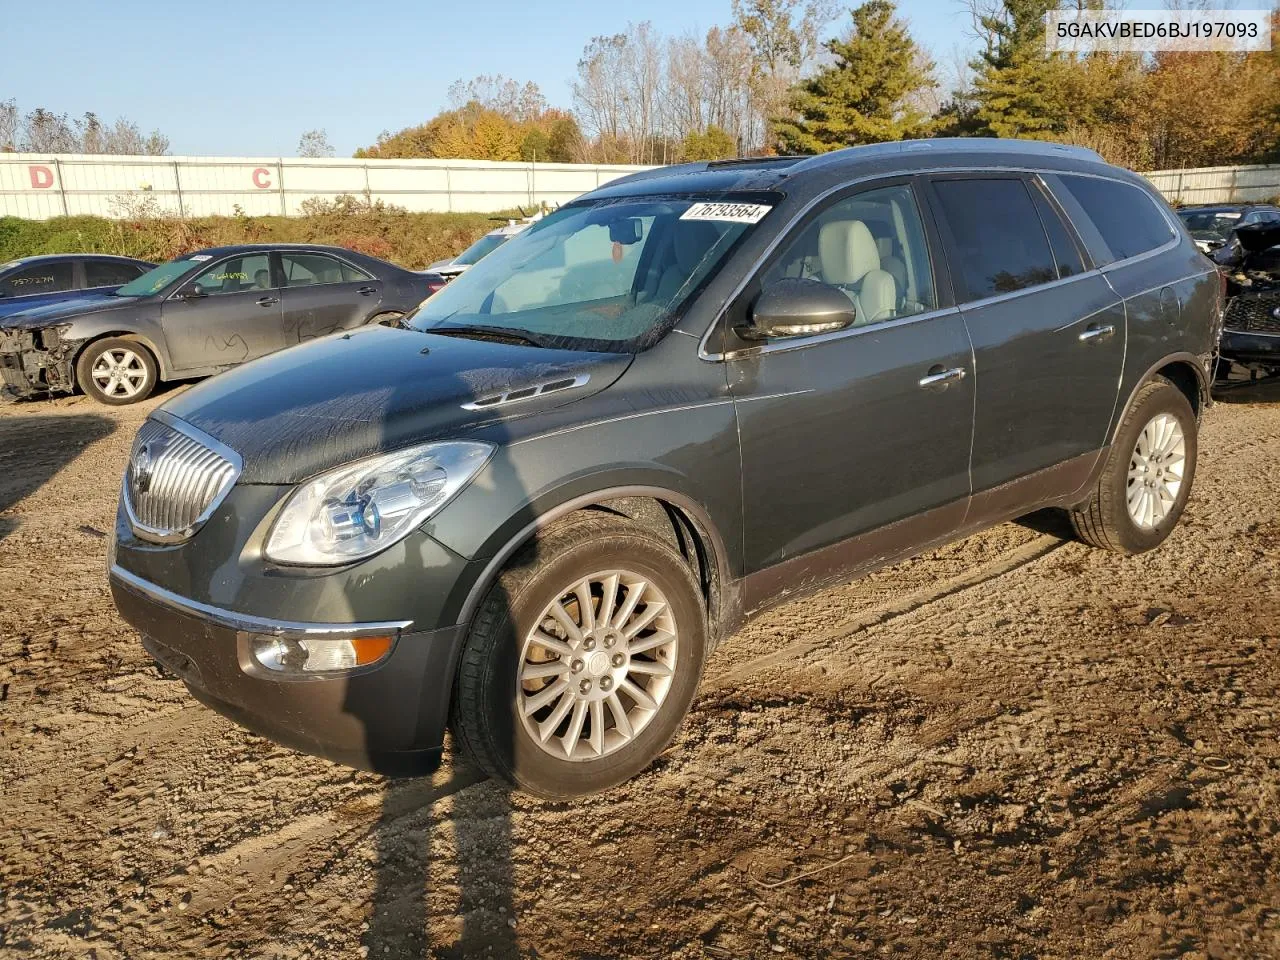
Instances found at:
x=1012 y=747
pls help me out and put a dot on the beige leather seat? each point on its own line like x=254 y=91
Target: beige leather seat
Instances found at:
x=892 y=265
x=850 y=260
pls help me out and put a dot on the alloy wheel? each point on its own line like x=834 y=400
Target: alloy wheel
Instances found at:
x=597 y=665
x=119 y=372
x=1156 y=471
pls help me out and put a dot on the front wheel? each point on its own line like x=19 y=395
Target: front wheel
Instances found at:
x=1146 y=480
x=116 y=371
x=582 y=661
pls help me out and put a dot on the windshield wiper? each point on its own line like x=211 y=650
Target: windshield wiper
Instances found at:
x=478 y=332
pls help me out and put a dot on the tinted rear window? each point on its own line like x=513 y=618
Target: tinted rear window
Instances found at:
x=999 y=243
x=1126 y=216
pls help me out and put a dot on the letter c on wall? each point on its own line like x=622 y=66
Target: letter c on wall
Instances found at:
x=262 y=178
x=41 y=177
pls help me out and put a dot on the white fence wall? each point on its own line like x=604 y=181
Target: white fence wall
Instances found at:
x=37 y=186
x=1218 y=184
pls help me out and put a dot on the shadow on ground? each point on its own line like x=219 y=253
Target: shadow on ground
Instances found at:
x=35 y=448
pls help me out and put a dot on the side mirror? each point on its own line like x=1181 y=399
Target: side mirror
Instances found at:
x=797 y=307
x=194 y=292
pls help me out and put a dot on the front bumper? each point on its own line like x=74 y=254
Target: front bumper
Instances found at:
x=35 y=362
x=388 y=717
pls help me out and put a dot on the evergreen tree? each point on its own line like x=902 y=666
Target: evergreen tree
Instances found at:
x=1017 y=90
x=867 y=95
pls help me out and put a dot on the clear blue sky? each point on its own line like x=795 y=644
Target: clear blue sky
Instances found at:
x=241 y=78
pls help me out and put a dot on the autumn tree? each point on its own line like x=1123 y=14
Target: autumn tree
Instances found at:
x=869 y=94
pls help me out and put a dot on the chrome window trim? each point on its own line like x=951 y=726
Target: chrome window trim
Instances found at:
x=153 y=535
x=784 y=232
x=247 y=623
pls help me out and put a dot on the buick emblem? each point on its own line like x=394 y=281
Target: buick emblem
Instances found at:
x=142 y=469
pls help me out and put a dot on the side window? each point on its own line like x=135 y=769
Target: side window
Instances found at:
x=41 y=278
x=109 y=273
x=998 y=244
x=353 y=274
x=872 y=247
x=238 y=275
x=1065 y=251
x=308 y=269
x=1126 y=216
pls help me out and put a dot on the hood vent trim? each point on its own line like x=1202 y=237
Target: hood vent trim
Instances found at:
x=527 y=393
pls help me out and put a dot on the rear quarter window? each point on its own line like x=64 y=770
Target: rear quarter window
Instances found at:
x=1127 y=220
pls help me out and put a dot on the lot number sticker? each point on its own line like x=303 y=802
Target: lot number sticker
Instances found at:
x=729 y=212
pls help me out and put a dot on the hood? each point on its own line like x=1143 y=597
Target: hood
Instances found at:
x=296 y=413
x=1257 y=237
x=62 y=311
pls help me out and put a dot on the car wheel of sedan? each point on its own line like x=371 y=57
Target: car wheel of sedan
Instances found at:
x=390 y=318
x=1146 y=479
x=116 y=371
x=582 y=660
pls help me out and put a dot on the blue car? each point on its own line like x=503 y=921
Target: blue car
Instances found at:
x=33 y=281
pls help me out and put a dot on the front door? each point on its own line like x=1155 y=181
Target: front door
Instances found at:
x=1048 y=338
x=847 y=433
x=230 y=313
x=323 y=294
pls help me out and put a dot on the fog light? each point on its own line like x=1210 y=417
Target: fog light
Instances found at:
x=318 y=655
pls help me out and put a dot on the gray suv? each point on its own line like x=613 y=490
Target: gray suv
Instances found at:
x=532 y=511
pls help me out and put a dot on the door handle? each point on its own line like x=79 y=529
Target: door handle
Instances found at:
x=267 y=301
x=366 y=291
x=941 y=377
x=1096 y=332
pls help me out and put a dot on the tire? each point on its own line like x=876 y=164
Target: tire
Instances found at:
x=1106 y=520
x=134 y=362
x=485 y=713
x=388 y=318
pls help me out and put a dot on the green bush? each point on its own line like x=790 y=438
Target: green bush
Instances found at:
x=412 y=240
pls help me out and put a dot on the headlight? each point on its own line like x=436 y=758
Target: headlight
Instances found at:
x=357 y=510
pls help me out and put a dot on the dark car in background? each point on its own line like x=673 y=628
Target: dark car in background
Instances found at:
x=33 y=281
x=1250 y=265
x=694 y=393
x=1211 y=225
x=197 y=315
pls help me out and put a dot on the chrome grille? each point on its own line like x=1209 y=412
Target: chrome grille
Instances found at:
x=176 y=478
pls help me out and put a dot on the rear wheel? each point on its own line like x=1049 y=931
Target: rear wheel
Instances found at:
x=1146 y=479
x=390 y=318
x=582 y=660
x=116 y=371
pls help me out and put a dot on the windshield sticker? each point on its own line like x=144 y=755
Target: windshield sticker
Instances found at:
x=201 y=257
x=729 y=212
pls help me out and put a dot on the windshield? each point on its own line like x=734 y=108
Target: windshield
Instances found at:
x=157 y=279
x=1211 y=224
x=596 y=276
x=485 y=245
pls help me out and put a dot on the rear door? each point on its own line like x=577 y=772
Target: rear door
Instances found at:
x=1048 y=337
x=846 y=433
x=323 y=294
x=235 y=316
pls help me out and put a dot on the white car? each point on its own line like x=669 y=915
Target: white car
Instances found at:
x=490 y=242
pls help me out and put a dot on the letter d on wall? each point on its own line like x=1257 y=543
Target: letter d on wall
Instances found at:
x=41 y=177
x=262 y=178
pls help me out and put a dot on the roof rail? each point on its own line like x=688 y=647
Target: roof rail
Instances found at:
x=956 y=145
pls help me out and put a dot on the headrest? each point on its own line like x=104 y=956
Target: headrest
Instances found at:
x=692 y=240
x=847 y=251
x=885 y=246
